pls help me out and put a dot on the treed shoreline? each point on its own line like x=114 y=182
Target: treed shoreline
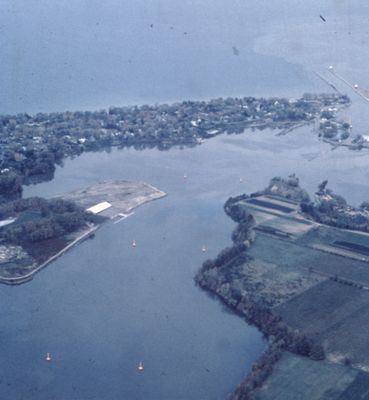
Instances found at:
x=32 y=145
x=220 y=276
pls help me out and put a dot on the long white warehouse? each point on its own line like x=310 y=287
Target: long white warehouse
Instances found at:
x=97 y=208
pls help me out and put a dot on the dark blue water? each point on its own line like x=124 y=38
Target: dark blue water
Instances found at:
x=105 y=306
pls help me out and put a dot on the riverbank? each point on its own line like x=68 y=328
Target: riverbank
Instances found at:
x=25 y=253
x=85 y=234
x=302 y=299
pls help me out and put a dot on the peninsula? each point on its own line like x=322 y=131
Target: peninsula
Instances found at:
x=34 y=231
x=298 y=270
x=31 y=146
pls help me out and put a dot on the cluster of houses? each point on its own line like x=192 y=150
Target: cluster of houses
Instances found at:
x=32 y=145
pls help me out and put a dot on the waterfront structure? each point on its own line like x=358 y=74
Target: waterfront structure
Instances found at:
x=98 y=208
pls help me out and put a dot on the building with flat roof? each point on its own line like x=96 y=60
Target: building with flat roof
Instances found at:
x=97 y=208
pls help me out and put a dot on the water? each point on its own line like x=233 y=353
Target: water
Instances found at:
x=105 y=306
x=88 y=54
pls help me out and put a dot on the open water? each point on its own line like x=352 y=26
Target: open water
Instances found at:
x=104 y=306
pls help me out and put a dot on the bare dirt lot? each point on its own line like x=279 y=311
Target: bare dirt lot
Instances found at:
x=122 y=195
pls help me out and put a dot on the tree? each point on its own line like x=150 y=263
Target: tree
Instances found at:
x=322 y=186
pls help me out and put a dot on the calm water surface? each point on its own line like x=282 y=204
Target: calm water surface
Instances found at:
x=105 y=306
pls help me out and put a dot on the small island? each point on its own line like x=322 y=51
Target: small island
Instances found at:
x=35 y=231
x=298 y=270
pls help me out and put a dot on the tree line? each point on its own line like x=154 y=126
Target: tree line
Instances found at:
x=50 y=219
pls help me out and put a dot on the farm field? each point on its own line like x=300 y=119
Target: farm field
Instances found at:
x=316 y=280
x=295 y=254
x=295 y=377
x=337 y=315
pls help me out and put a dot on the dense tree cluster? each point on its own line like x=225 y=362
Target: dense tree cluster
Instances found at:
x=287 y=188
x=332 y=209
x=51 y=219
x=10 y=186
x=326 y=208
x=332 y=129
x=234 y=211
x=243 y=233
x=225 y=256
x=260 y=371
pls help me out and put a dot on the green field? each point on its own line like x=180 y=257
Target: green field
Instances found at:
x=297 y=255
x=337 y=315
x=322 y=291
x=299 y=378
x=334 y=313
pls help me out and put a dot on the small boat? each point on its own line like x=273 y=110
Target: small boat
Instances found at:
x=48 y=357
x=203 y=249
x=140 y=366
x=184 y=176
x=133 y=243
x=241 y=180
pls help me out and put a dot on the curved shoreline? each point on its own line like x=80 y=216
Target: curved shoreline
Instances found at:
x=186 y=123
x=85 y=234
x=215 y=277
x=280 y=288
x=280 y=336
x=25 y=278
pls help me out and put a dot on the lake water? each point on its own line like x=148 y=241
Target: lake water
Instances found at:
x=105 y=306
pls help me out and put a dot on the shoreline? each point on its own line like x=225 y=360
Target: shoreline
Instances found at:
x=85 y=234
x=187 y=123
x=280 y=337
x=28 y=277
x=260 y=290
